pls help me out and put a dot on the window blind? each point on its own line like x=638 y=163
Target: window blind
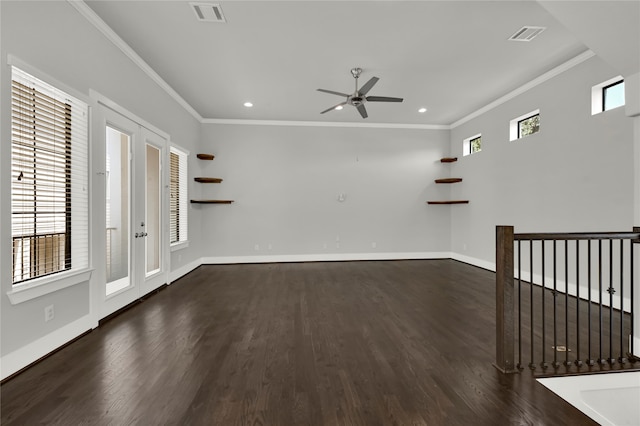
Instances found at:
x=49 y=198
x=178 y=196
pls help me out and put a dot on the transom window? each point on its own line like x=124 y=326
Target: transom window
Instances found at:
x=49 y=178
x=528 y=126
x=472 y=145
x=613 y=96
x=525 y=125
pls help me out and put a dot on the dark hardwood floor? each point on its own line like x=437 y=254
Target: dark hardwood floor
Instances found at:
x=349 y=343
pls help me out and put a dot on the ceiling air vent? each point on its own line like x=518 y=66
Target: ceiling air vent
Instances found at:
x=526 y=33
x=208 y=12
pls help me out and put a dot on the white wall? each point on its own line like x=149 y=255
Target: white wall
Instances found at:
x=285 y=182
x=576 y=174
x=56 y=40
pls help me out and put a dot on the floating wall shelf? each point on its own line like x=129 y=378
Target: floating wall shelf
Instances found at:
x=449 y=202
x=449 y=180
x=207 y=180
x=211 y=201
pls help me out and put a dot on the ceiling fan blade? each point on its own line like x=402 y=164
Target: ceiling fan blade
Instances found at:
x=333 y=107
x=368 y=85
x=333 y=93
x=383 y=99
x=362 y=110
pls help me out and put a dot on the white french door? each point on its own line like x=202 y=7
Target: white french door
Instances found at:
x=130 y=240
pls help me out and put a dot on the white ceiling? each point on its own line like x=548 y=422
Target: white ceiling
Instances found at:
x=451 y=57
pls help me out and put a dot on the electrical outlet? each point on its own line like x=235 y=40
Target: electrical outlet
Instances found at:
x=256 y=247
x=48 y=313
x=464 y=247
x=337 y=245
x=374 y=245
x=269 y=246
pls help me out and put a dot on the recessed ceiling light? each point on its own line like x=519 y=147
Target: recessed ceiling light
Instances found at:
x=421 y=110
x=248 y=104
x=339 y=107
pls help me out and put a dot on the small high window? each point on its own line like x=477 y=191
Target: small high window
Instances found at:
x=613 y=95
x=528 y=126
x=525 y=125
x=472 y=145
x=607 y=95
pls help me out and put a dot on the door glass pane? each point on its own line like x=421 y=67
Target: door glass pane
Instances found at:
x=117 y=178
x=152 y=207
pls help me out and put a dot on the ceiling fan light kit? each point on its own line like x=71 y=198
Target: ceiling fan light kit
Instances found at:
x=359 y=97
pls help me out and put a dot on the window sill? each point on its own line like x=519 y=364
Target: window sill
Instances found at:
x=179 y=246
x=40 y=287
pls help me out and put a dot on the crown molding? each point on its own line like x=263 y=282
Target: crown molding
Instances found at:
x=102 y=26
x=577 y=60
x=111 y=35
x=325 y=124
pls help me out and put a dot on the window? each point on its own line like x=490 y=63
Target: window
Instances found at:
x=529 y=126
x=49 y=179
x=472 y=145
x=525 y=125
x=613 y=95
x=607 y=95
x=178 y=216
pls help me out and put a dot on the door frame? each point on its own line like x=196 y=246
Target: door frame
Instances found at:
x=146 y=131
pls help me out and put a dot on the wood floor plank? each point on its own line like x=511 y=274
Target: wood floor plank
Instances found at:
x=345 y=343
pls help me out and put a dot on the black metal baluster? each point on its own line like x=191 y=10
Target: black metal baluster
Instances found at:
x=601 y=360
x=567 y=363
x=622 y=359
x=578 y=361
x=590 y=361
x=532 y=364
x=519 y=308
x=631 y=284
x=543 y=364
x=555 y=364
x=611 y=291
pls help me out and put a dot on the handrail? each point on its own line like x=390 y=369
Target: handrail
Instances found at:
x=596 y=272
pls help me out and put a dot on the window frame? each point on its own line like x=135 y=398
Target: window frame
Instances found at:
x=53 y=125
x=182 y=203
x=467 y=145
x=80 y=272
x=520 y=135
x=604 y=94
x=514 y=125
x=598 y=95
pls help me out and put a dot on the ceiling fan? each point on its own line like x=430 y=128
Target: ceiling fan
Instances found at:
x=358 y=98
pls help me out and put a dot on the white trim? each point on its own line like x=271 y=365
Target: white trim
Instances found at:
x=46 y=78
x=113 y=106
x=526 y=87
x=330 y=257
x=484 y=264
x=111 y=35
x=324 y=124
x=184 y=270
x=31 y=352
x=608 y=399
x=40 y=286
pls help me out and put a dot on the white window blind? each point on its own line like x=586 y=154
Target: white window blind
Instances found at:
x=49 y=179
x=178 y=216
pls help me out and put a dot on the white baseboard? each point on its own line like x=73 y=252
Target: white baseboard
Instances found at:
x=184 y=270
x=484 y=264
x=330 y=257
x=20 y=358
